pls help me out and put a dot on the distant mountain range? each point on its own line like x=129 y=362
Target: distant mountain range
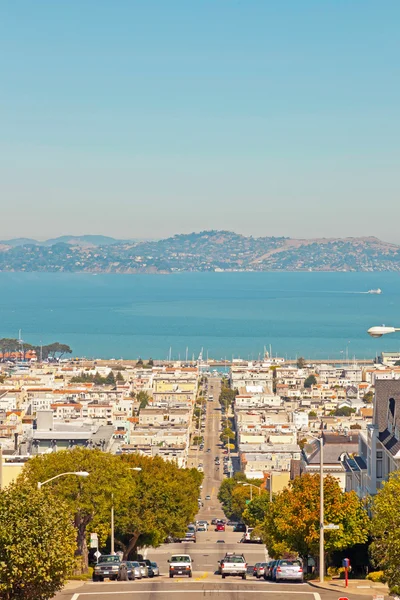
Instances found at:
x=78 y=240
x=204 y=251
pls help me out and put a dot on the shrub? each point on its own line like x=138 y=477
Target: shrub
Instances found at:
x=376 y=576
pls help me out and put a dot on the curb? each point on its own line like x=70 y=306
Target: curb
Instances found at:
x=350 y=590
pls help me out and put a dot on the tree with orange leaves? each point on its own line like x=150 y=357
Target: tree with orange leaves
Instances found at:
x=292 y=521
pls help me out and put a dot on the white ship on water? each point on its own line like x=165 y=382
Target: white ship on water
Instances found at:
x=377 y=291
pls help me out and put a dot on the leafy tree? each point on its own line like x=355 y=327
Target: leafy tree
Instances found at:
x=164 y=503
x=310 y=381
x=143 y=398
x=301 y=362
x=292 y=521
x=88 y=499
x=226 y=435
x=385 y=548
x=37 y=543
x=343 y=411
x=302 y=443
x=355 y=426
x=150 y=362
x=369 y=397
x=225 y=492
x=312 y=414
x=254 y=513
x=139 y=362
x=397 y=363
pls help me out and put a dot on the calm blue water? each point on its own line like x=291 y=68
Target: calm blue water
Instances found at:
x=310 y=314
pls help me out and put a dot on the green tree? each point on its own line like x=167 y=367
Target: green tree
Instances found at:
x=150 y=362
x=110 y=379
x=139 y=362
x=164 y=503
x=119 y=378
x=301 y=362
x=385 y=548
x=369 y=397
x=88 y=499
x=310 y=380
x=143 y=398
x=254 y=513
x=343 y=411
x=312 y=414
x=292 y=522
x=37 y=543
x=226 y=435
x=225 y=492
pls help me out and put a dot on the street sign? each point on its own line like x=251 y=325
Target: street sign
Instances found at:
x=342 y=598
x=94 y=540
x=97 y=554
x=331 y=526
x=248 y=501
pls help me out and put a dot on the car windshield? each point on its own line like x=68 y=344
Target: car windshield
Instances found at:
x=110 y=559
x=180 y=559
x=153 y=564
x=135 y=564
x=235 y=559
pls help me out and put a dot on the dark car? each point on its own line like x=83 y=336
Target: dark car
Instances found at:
x=107 y=568
x=240 y=527
x=149 y=567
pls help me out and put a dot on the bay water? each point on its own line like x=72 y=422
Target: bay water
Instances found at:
x=312 y=314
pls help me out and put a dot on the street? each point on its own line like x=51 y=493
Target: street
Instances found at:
x=210 y=547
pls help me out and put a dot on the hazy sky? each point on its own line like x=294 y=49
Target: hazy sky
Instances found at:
x=144 y=118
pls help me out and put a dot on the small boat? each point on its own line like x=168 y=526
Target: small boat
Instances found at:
x=377 y=291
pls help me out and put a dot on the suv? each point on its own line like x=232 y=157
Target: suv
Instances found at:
x=180 y=564
x=107 y=567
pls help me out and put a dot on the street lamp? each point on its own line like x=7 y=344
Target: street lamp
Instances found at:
x=251 y=488
x=112 y=511
x=321 y=507
x=78 y=473
x=381 y=330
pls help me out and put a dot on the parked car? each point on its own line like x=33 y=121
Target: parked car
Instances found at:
x=250 y=569
x=214 y=521
x=269 y=569
x=133 y=569
x=291 y=570
x=261 y=570
x=155 y=568
x=149 y=567
x=144 y=568
x=255 y=568
x=107 y=567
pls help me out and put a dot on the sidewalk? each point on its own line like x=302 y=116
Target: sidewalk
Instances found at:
x=362 y=587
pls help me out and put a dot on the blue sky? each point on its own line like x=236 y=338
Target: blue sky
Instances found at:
x=148 y=118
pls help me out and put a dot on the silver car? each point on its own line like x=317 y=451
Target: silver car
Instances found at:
x=155 y=569
x=290 y=570
x=260 y=572
x=144 y=569
x=134 y=570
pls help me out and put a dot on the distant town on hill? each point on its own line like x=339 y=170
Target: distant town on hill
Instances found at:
x=204 y=251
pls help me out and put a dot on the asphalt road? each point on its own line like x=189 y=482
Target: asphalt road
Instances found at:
x=210 y=547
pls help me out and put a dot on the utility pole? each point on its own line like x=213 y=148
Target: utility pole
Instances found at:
x=1 y=467
x=270 y=487
x=112 y=523
x=321 y=511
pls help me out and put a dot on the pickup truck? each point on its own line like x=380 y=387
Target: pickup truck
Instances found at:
x=233 y=564
x=180 y=564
